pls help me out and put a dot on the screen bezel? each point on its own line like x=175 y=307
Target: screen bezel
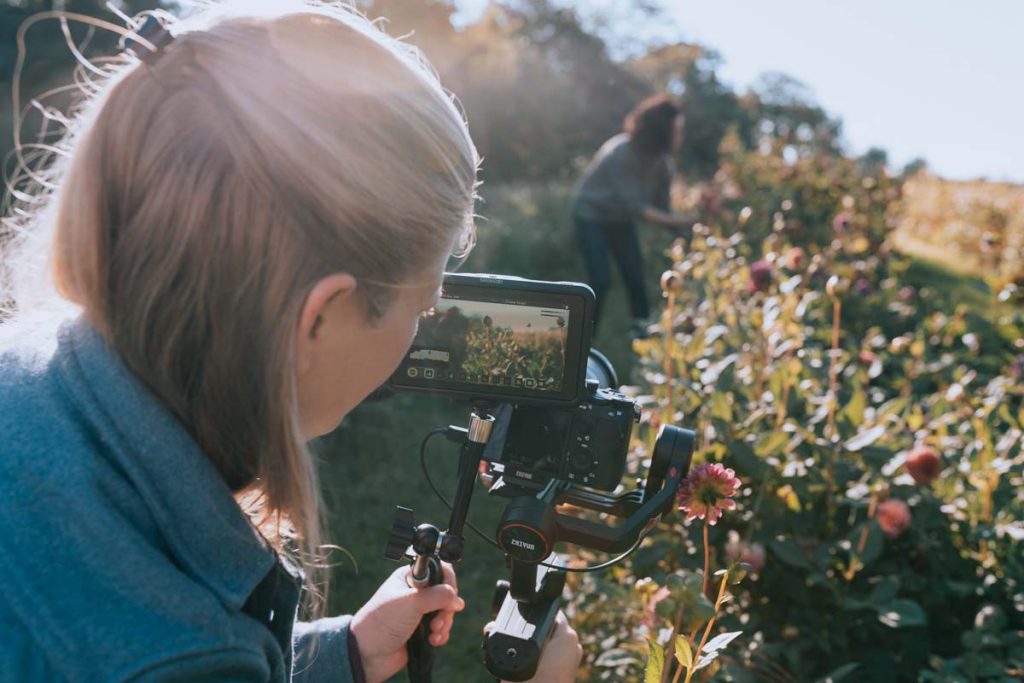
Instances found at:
x=505 y=289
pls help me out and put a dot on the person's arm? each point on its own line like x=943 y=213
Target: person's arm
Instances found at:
x=658 y=210
x=326 y=650
x=667 y=218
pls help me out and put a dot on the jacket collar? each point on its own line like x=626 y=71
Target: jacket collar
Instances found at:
x=202 y=525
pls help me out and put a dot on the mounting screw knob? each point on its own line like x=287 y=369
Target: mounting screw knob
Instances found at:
x=425 y=539
x=403 y=532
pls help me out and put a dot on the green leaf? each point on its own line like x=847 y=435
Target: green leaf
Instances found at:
x=720 y=641
x=874 y=545
x=865 y=438
x=892 y=407
x=684 y=655
x=744 y=458
x=667 y=608
x=790 y=554
x=902 y=613
x=771 y=443
x=854 y=410
x=655 y=662
x=721 y=406
x=884 y=591
x=738 y=572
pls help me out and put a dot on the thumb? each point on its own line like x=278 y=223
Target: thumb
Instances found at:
x=439 y=597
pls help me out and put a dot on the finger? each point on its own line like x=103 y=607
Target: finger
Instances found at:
x=488 y=626
x=448 y=573
x=438 y=598
x=442 y=622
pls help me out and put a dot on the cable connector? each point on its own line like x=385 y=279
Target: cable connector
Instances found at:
x=456 y=434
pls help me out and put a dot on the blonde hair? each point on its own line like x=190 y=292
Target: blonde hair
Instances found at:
x=206 y=192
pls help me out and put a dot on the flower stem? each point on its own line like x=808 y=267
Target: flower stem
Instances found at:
x=855 y=563
x=671 y=647
x=668 y=323
x=837 y=307
x=704 y=585
x=707 y=631
x=833 y=402
x=707 y=559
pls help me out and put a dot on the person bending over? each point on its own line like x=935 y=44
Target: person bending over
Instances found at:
x=628 y=181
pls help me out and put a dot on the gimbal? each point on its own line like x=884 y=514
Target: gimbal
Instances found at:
x=525 y=607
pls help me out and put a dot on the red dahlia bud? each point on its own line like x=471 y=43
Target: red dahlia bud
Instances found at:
x=924 y=465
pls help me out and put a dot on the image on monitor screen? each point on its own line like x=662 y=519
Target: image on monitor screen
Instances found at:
x=492 y=344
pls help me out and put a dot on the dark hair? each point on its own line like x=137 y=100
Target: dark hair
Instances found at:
x=650 y=124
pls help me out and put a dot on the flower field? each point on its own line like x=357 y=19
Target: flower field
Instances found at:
x=979 y=224
x=868 y=405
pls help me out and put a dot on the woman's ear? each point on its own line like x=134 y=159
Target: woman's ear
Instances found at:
x=328 y=298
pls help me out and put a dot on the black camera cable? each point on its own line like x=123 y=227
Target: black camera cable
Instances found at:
x=457 y=435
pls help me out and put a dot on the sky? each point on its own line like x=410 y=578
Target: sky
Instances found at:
x=937 y=79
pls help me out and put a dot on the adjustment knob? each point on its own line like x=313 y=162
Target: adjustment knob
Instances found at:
x=403 y=532
x=580 y=459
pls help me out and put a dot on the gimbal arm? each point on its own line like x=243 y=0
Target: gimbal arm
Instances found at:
x=670 y=464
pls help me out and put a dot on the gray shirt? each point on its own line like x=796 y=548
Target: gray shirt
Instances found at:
x=620 y=182
x=123 y=553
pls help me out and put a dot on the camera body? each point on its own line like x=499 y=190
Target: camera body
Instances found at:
x=525 y=345
x=584 y=445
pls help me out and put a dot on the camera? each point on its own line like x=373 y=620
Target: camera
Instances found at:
x=525 y=344
x=550 y=429
x=584 y=445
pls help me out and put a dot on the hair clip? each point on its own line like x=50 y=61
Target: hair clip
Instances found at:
x=153 y=31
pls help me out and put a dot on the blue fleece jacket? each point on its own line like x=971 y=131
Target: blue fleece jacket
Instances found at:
x=123 y=554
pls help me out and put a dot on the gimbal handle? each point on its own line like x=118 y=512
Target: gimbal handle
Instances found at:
x=431 y=546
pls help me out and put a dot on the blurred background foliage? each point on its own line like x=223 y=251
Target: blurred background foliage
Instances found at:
x=936 y=268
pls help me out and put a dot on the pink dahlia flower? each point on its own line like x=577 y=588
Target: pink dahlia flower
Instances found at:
x=894 y=517
x=841 y=223
x=707 y=491
x=760 y=277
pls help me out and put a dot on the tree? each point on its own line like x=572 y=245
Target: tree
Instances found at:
x=914 y=166
x=874 y=160
x=786 y=116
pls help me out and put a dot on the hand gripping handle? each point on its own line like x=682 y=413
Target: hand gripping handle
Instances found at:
x=421 y=653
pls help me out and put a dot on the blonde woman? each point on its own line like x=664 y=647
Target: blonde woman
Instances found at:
x=244 y=230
